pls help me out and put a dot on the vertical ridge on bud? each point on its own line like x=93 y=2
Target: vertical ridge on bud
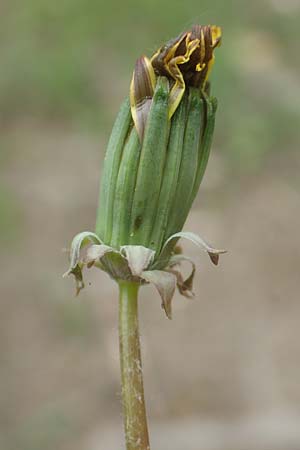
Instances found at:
x=189 y=163
x=149 y=176
x=170 y=176
x=206 y=141
x=110 y=171
x=125 y=189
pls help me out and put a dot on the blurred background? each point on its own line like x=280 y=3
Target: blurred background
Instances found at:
x=224 y=373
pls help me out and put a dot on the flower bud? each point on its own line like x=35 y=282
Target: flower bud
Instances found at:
x=155 y=161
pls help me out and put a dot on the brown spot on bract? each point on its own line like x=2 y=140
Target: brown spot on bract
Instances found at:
x=138 y=222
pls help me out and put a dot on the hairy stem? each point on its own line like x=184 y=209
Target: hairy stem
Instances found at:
x=135 y=421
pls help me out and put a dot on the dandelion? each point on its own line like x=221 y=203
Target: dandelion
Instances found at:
x=155 y=161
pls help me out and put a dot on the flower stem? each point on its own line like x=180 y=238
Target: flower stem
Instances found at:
x=135 y=420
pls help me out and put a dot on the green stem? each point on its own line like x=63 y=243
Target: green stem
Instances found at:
x=135 y=421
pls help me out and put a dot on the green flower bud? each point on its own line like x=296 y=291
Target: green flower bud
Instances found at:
x=154 y=164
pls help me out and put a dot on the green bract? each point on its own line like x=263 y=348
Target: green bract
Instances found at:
x=154 y=164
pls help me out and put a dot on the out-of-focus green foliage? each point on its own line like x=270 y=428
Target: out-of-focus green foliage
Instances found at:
x=72 y=60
